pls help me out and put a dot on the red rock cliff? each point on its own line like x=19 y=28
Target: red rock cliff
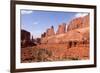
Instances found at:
x=78 y=23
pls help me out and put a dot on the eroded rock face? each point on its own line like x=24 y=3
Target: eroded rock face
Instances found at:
x=86 y=21
x=80 y=22
x=75 y=24
x=61 y=29
x=77 y=36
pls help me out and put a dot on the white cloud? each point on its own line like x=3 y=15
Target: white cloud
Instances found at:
x=35 y=23
x=26 y=11
x=80 y=15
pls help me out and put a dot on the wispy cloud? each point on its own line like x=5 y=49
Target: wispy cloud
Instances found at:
x=80 y=15
x=35 y=23
x=26 y=11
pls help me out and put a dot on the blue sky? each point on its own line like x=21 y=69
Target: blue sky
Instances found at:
x=37 y=22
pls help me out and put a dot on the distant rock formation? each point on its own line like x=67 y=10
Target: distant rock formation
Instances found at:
x=50 y=31
x=61 y=29
x=25 y=39
x=43 y=35
x=25 y=35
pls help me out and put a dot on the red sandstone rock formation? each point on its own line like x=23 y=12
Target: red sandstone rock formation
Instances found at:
x=76 y=35
x=79 y=33
x=61 y=29
x=86 y=21
x=25 y=38
x=75 y=24
x=50 y=31
x=43 y=35
x=78 y=23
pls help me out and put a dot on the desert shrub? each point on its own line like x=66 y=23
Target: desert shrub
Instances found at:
x=73 y=58
x=69 y=58
x=39 y=55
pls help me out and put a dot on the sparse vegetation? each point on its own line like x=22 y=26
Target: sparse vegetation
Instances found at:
x=36 y=54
